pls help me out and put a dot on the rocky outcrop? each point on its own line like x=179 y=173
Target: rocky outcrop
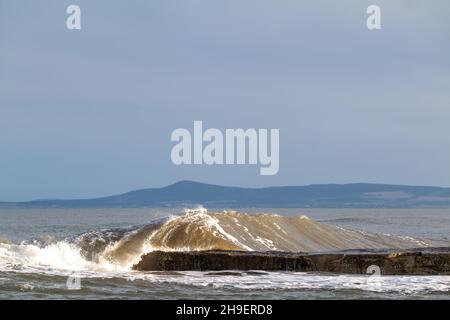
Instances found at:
x=402 y=262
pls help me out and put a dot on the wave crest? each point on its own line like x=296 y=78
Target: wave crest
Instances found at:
x=119 y=249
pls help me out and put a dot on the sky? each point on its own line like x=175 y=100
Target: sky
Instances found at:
x=90 y=112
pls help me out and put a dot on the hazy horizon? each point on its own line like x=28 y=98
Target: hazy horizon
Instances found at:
x=215 y=184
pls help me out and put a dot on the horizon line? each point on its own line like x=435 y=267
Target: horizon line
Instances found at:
x=225 y=186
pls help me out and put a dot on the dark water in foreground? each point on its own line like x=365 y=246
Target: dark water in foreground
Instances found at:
x=37 y=258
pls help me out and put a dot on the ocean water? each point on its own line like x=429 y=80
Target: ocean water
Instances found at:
x=88 y=253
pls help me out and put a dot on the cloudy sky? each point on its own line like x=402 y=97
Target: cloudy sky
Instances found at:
x=89 y=112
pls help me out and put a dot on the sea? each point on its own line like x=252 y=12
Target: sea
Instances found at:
x=60 y=253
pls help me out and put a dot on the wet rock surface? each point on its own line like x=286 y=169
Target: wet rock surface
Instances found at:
x=430 y=261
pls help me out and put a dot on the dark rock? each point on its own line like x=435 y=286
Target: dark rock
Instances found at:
x=402 y=262
x=224 y=273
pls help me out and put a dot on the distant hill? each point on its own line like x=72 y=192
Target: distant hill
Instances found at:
x=189 y=193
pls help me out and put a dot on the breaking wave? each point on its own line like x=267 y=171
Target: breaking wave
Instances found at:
x=119 y=249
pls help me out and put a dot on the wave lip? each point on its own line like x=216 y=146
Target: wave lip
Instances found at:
x=201 y=230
